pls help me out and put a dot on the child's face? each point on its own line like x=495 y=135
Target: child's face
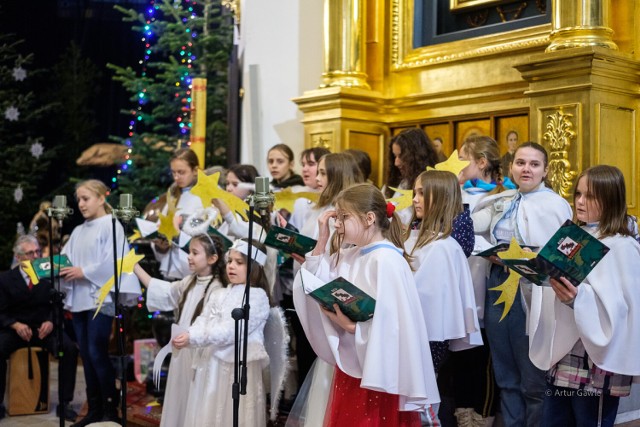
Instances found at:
x=310 y=171
x=199 y=262
x=587 y=207
x=350 y=227
x=91 y=205
x=236 y=267
x=473 y=170
x=183 y=174
x=232 y=186
x=321 y=177
x=418 y=199
x=279 y=164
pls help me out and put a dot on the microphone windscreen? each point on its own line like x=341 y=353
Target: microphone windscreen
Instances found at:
x=126 y=201
x=262 y=184
x=60 y=202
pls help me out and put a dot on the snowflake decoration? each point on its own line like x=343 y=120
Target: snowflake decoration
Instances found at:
x=19 y=74
x=11 y=114
x=36 y=150
x=18 y=194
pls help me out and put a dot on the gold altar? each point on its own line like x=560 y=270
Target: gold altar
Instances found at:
x=572 y=84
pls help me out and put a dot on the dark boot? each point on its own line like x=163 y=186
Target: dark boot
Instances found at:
x=111 y=410
x=95 y=412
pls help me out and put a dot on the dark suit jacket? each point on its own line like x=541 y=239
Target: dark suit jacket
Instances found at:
x=19 y=304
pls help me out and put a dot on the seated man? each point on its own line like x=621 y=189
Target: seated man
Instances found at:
x=26 y=318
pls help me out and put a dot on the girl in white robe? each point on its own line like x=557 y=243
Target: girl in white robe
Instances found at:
x=90 y=250
x=531 y=215
x=184 y=168
x=440 y=267
x=212 y=336
x=587 y=336
x=188 y=297
x=384 y=373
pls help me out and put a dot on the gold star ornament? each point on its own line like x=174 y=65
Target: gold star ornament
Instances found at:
x=509 y=288
x=125 y=265
x=166 y=228
x=453 y=164
x=404 y=200
x=285 y=199
x=207 y=189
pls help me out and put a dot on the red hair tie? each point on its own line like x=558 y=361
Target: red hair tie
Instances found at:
x=391 y=208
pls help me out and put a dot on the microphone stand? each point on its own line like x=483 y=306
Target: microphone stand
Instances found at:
x=240 y=360
x=58 y=315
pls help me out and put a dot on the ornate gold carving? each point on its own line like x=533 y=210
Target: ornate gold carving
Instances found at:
x=559 y=135
x=324 y=140
x=478 y=18
x=234 y=7
x=515 y=12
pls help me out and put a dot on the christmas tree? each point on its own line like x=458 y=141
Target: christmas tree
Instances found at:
x=182 y=40
x=25 y=154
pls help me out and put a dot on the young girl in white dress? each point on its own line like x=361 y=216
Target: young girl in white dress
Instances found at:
x=587 y=336
x=213 y=335
x=187 y=297
x=383 y=370
x=90 y=250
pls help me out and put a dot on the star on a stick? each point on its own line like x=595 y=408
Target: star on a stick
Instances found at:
x=404 y=200
x=207 y=188
x=166 y=228
x=285 y=199
x=135 y=236
x=125 y=265
x=509 y=288
x=453 y=164
x=27 y=267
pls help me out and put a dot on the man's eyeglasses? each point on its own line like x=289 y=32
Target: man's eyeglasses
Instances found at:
x=35 y=252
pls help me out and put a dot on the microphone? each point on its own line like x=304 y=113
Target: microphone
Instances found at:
x=125 y=210
x=59 y=209
x=263 y=197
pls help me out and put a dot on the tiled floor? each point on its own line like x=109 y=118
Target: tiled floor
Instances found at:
x=50 y=419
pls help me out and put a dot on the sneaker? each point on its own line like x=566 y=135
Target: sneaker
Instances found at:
x=69 y=413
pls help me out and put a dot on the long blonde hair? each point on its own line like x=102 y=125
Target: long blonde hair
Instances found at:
x=442 y=200
x=98 y=188
x=342 y=171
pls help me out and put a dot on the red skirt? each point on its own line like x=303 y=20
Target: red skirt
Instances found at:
x=353 y=406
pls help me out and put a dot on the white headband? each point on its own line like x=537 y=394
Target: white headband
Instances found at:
x=242 y=247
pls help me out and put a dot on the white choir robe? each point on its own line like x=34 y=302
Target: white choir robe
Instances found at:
x=445 y=288
x=91 y=248
x=165 y=296
x=606 y=314
x=390 y=352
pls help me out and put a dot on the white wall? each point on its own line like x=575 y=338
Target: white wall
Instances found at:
x=282 y=58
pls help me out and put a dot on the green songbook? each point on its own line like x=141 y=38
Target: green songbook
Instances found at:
x=571 y=253
x=42 y=266
x=355 y=303
x=289 y=241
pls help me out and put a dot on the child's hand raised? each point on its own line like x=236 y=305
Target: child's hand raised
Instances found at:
x=340 y=319
x=323 y=231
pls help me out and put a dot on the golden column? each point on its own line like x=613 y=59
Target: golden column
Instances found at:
x=585 y=96
x=344 y=45
x=578 y=23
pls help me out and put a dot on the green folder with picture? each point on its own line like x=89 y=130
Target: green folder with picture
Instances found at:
x=355 y=303
x=289 y=241
x=42 y=266
x=571 y=253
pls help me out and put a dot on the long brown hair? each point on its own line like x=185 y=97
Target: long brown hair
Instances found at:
x=484 y=147
x=191 y=158
x=212 y=245
x=342 y=171
x=606 y=186
x=360 y=199
x=442 y=200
